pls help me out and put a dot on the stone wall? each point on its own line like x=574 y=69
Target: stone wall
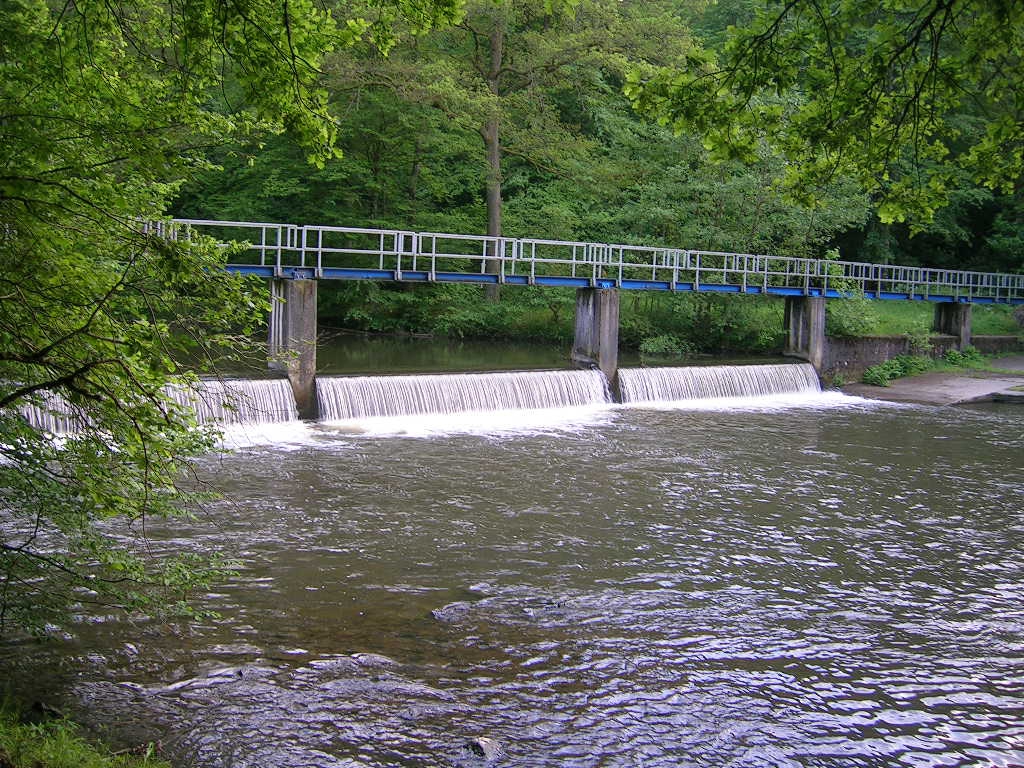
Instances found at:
x=849 y=357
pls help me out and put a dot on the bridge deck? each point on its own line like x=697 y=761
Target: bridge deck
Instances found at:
x=347 y=253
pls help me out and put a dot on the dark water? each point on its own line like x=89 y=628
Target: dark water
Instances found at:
x=817 y=586
x=340 y=354
x=357 y=353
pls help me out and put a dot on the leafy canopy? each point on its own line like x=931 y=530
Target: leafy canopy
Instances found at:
x=105 y=108
x=901 y=95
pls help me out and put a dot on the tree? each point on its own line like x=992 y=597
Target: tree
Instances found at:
x=104 y=109
x=880 y=91
x=500 y=73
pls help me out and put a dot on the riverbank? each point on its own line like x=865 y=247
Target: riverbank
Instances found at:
x=953 y=387
x=34 y=740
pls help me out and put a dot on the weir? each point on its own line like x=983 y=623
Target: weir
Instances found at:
x=642 y=385
x=214 y=401
x=53 y=414
x=271 y=401
x=239 y=401
x=357 y=397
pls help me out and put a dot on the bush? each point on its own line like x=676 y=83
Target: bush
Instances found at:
x=666 y=346
x=911 y=365
x=851 y=317
x=881 y=375
x=967 y=356
x=919 y=339
x=57 y=744
x=902 y=365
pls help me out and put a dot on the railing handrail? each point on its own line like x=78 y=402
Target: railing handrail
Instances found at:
x=418 y=251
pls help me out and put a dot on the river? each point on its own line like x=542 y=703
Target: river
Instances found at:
x=822 y=582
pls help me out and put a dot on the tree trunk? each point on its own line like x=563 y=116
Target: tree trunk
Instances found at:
x=492 y=140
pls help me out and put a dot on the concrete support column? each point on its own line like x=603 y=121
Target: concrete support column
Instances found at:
x=293 y=339
x=597 y=331
x=954 y=319
x=805 y=329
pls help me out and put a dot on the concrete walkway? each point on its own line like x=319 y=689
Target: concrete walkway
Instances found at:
x=953 y=388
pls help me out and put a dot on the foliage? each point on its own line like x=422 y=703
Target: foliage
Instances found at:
x=966 y=357
x=902 y=365
x=107 y=107
x=57 y=744
x=449 y=310
x=904 y=98
x=666 y=346
x=703 y=322
x=878 y=375
x=838 y=381
x=851 y=317
x=919 y=339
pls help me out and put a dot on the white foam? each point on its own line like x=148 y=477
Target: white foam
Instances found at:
x=817 y=400
x=535 y=420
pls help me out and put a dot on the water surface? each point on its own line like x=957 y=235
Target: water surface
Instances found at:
x=839 y=584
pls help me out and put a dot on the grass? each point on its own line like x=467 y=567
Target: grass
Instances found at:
x=896 y=318
x=57 y=744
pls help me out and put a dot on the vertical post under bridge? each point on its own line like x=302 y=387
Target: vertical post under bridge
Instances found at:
x=954 y=319
x=293 y=339
x=596 y=344
x=805 y=329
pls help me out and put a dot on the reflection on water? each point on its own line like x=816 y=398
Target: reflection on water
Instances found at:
x=806 y=587
x=348 y=354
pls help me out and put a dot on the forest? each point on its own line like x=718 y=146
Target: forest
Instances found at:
x=523 y=119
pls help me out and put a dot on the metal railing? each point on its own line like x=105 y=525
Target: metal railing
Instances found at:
x=352 y=252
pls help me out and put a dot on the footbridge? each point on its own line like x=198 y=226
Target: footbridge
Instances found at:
x=295 y=257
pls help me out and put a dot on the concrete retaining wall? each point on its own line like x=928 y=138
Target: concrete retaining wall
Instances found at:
x=849 y=357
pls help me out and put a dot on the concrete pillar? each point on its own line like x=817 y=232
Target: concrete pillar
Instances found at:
x=954 y=319
x=805 y=329
x=293 y=339
x=597 y=331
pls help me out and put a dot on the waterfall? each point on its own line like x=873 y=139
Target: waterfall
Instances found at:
x=54 y=414
x=239 y=401
x=715 y=381
x=358 y=397
x=225 y=401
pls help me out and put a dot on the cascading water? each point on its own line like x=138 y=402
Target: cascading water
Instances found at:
x=52 y=413
x=223 y=401
x=359 y=397
x=639 y=385
x=239 y=401
x=232 y=402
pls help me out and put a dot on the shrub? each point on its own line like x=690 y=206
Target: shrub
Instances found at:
x=666 y=346
x=911 y=365
x=851 y=317
x=967 y=356
x=920 y=339
x=902 y=365
x=878 y=375
x=838 y=381
x=57 y=744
